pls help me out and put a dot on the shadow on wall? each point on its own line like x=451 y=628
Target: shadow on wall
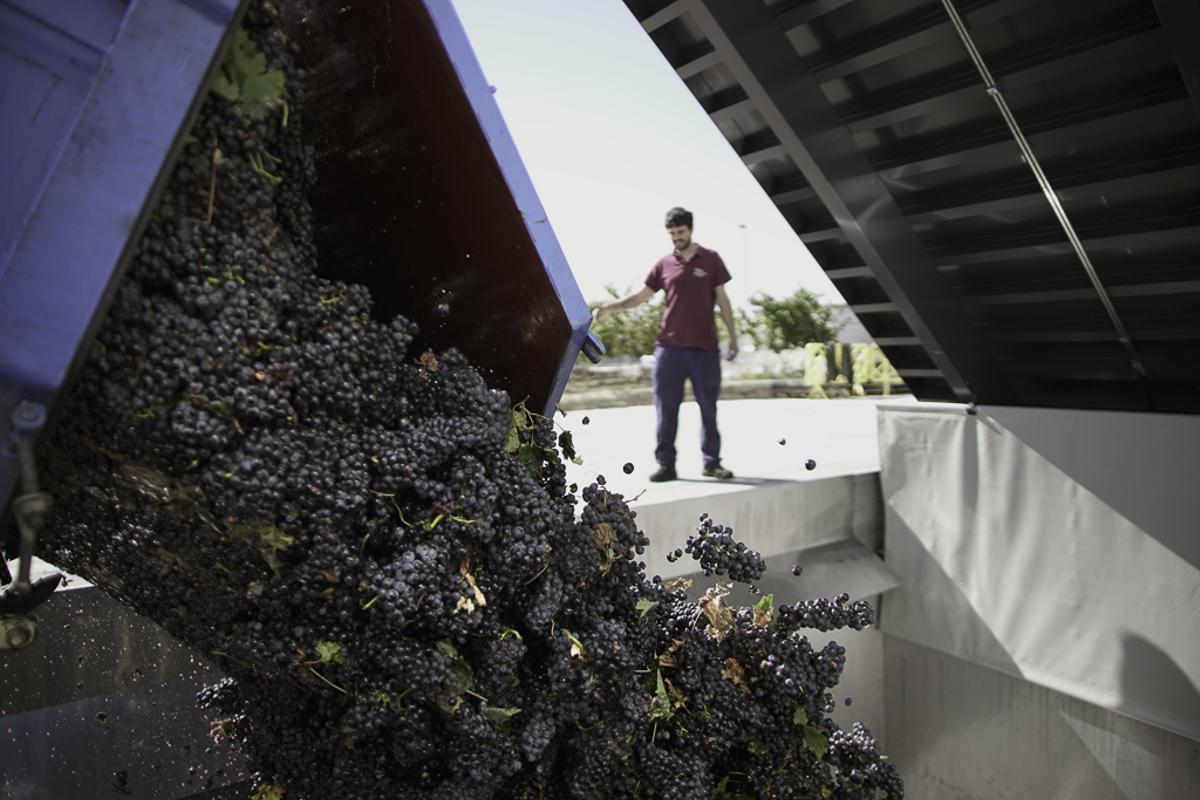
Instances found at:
x=931 y=597
x=1155 y=688
x=1149 y=478
x=1010 y=558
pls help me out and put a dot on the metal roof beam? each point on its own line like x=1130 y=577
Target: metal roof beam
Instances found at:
x=762 y=59
x=1106 y=335
x=972 y=201
x=805 y=12
x=1149 y=234
x=797 y=194
x=696 y=63
x=848 y=273
x=1181 y=23
x=874 y=308
x=1136 y=174
x=1109 y=113
x=906 y=34
x=1073 y=295
x=666 y=15
x=1097 y=47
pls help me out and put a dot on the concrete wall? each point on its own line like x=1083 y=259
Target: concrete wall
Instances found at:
x=1045 y=640
x=793 y=522
x=960 y=731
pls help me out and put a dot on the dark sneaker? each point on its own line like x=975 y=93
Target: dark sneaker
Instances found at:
x=663 y=474
x=718 y=472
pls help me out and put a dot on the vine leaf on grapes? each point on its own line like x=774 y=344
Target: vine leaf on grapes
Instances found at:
x=605 y=539
x=519 y=440
x=754 y=745
x=816 y=741
x=800 y=716
x=660 y=704
x=577 y=648
x=462 y=677
x=429 y=361
x=763 y=611
x=268 y=791
x=469 y=604
x=499 y=716
x=330 y=652
x=720 y=618
x=733 y=672
x=722 y=792
x=668 y=658
x=269 y=540
x=682 y=584
x=244 y=79
x=678 y=699
x=566 y=443
x=645 y=606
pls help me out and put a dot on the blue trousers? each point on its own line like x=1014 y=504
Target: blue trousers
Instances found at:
x=672 y=366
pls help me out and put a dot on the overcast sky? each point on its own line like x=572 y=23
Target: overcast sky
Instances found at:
x=612 y=138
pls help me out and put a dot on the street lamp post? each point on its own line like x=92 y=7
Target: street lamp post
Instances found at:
x=745 y=244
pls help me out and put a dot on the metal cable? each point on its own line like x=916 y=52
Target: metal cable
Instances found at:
x=1055 y=204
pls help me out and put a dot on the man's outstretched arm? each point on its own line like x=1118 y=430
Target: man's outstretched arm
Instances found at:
x=727 y=317
x=624 y=304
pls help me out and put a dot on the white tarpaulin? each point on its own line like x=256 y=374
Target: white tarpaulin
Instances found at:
x=1061 y=546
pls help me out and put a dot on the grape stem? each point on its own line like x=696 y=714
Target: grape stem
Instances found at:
x=326 y=680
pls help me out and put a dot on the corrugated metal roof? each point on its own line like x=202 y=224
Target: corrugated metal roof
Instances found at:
x=868 y=124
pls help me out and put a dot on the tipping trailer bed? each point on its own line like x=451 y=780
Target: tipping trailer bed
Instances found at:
x=421 y=195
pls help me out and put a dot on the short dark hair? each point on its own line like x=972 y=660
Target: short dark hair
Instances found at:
x=679 y=216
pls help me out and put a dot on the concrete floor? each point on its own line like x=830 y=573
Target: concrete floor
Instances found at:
x=840 y=435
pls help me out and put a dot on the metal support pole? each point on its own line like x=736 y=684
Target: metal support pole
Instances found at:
x=993 y=90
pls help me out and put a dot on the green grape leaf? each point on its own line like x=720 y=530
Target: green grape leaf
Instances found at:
x=645 y=605
x=660 y=706
x=755 y=745
x=499 y=716
x=268 y=792
x=330 y=651
x=226 y=87
x=764 y=610
x=816 y=741
x=262 y=92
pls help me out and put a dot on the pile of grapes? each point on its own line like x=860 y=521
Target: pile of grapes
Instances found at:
x=382 y=552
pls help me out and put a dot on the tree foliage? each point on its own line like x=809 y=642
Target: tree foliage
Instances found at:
x=772 y=323
x=788 y=322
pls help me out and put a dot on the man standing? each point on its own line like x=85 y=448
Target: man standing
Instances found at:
x=693 y=278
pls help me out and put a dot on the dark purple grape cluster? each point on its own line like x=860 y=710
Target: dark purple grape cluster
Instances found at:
x=381 y=551
x=719 y=553
x=825 y=614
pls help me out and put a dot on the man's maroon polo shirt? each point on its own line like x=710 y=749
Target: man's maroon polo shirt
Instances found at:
x=691 y=288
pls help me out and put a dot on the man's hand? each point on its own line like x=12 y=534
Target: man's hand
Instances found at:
x=624 y=304
x=731 y=350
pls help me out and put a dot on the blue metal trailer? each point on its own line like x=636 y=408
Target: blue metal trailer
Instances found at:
x=421 y=195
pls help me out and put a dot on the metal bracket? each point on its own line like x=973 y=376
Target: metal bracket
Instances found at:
x=21 y=596
x=17 y=631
